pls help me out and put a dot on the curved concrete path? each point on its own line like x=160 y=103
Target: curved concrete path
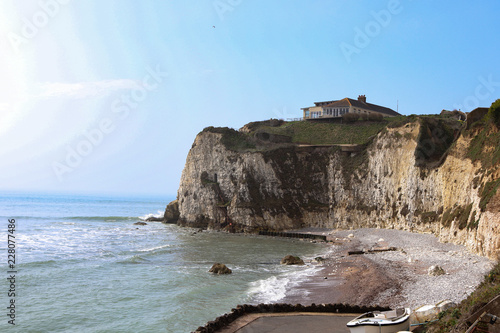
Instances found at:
x=290 y=323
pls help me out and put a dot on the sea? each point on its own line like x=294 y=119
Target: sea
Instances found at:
x=82 y=265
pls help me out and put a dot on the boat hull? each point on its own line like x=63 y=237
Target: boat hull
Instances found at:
x=381 y=329
x=380 y=323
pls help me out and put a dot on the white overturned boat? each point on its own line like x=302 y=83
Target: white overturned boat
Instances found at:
x=381 y=322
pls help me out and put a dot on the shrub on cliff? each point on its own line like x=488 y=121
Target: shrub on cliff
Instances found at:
x=350 y=117
x=400 y=121
x=231 y=139
x=255 y=125
x=434 y=139
x=485 y=143
x=220 y=130
x=494 y=112
x=375 y=117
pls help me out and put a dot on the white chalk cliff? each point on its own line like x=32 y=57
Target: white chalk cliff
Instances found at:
x=392 y=183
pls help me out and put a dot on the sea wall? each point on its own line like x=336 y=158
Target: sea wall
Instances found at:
x=416 y=177
x=246 y=309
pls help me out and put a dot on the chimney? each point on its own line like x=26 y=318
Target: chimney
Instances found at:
x=362 y=98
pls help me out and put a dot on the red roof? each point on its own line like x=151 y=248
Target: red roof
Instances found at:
x=358 y=104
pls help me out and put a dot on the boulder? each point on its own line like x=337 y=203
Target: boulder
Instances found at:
x=219 y=268
x=425 y=313
x=171 y=212
x=292 y=260
x=140 y=223
x=445 y=305
x=435 y=271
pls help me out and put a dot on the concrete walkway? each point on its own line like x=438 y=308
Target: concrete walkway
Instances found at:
x=291 y=323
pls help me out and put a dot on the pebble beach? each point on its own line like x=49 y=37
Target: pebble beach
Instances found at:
x=395 y=278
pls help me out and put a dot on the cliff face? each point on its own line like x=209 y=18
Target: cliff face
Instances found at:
x=410 y=177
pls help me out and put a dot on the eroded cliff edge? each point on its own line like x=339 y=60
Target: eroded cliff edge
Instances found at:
x=421 y=175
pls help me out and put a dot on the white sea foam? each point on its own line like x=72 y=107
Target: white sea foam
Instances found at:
x=269 y=290
x=159 y=214
x=275 y=288
x=154 y=248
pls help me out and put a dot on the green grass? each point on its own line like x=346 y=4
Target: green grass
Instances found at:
x=232 y=139
x=328 y=133
x=459 y=213
x=473 y=223
x=485 y=137
x=487 y=192
x=485 y=148
x=437 y=134
x=323 y=133
x=429 y=217
x=300 y=132
x=400 y=121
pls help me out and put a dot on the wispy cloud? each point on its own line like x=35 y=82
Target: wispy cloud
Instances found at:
x=85 y=89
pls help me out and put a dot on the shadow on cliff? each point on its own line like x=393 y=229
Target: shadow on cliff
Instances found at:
x=436 y=137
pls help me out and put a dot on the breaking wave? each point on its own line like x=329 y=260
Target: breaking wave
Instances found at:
x=159 y=215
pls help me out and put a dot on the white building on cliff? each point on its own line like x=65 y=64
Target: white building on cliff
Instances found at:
x=335 y=109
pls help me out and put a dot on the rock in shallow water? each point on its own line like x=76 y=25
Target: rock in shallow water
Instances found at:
x=318 y=260
x=219 y=268
x=292 y=260
x=171 y=214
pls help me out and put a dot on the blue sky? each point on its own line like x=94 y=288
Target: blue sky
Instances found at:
x=107 y=96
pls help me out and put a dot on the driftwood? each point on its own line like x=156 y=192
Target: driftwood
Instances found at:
x=355 y=252
x=374 y=250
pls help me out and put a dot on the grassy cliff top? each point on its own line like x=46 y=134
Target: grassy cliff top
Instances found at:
x=315 y=133
x=271 y=134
